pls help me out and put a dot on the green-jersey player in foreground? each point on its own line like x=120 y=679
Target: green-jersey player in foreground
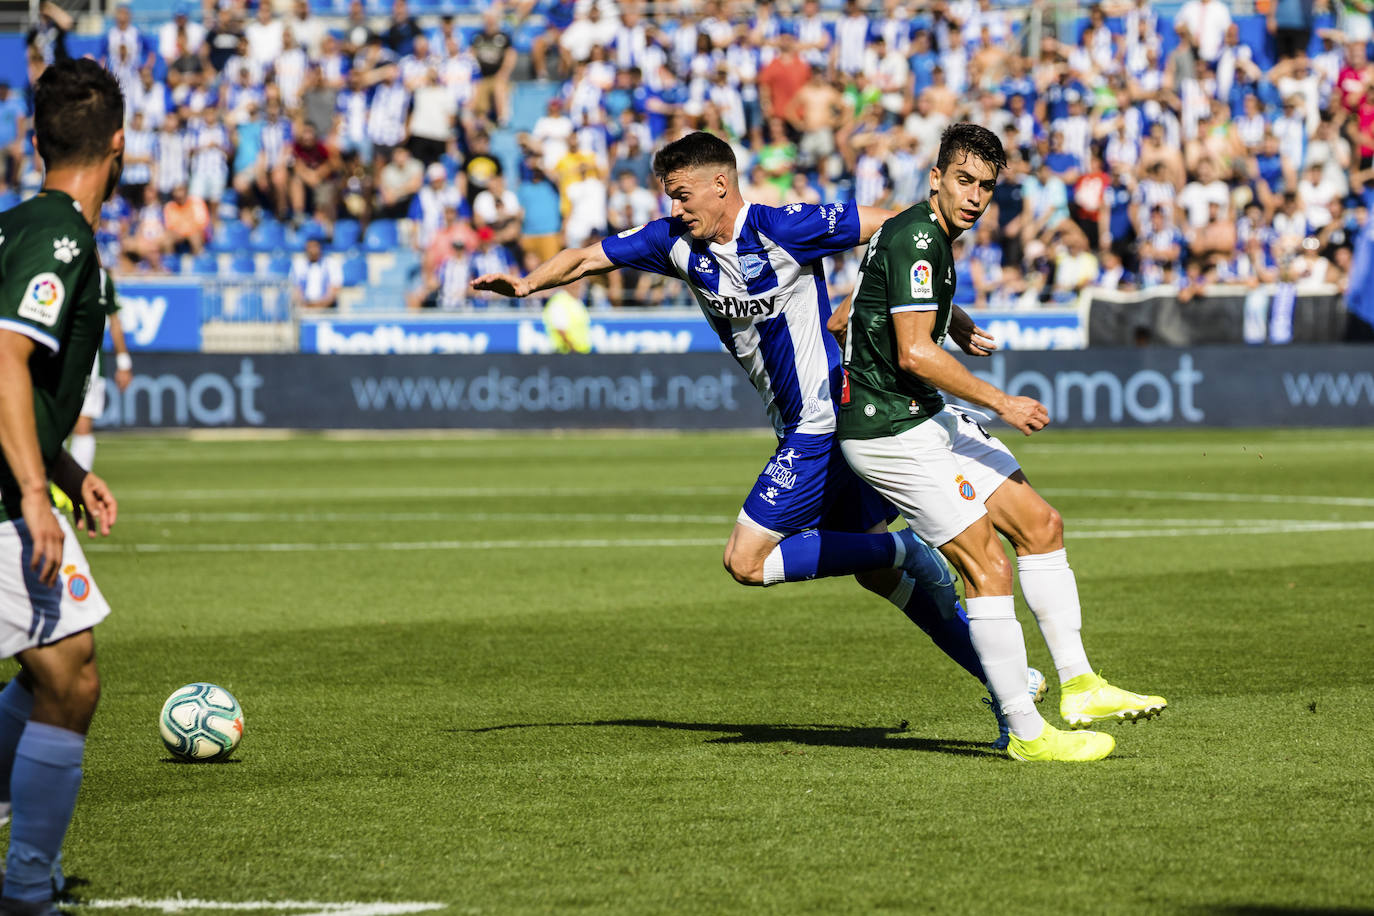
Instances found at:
x=53 y=298
x=956 y=484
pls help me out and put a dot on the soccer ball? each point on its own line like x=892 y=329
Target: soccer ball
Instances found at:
x=201 y=722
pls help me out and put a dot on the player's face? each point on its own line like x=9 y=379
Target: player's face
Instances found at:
x=698 y=197
x=963 y=191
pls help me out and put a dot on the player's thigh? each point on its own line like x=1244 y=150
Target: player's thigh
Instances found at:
x=34 y=615
x=748 y=547
x=790 y=493
x=918 y=472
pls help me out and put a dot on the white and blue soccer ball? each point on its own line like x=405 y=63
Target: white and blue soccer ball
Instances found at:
x=201 y=722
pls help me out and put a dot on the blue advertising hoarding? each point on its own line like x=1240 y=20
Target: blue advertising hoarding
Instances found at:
x=160 y=316
x=678 y=331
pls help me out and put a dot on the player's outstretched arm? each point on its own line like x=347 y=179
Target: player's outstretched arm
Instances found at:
x=870 y=219
x=569 y=265
x=19 y=441
x=920 y=355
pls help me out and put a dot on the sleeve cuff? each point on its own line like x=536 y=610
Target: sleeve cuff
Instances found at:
x=915 y=307
x=32 y=333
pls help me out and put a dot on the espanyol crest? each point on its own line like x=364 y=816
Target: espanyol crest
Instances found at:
x=752 y=265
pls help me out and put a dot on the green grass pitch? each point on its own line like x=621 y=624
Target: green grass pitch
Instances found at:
x=508 y=675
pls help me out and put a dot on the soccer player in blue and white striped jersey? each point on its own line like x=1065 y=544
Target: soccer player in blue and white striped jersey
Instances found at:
x=757 y=275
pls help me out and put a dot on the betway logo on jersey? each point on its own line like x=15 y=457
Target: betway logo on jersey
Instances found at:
x=731 y=307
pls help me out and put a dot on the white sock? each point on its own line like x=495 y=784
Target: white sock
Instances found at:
x=1051 y=591
x=773 y=571
x=1001 y=648
x=83 y=450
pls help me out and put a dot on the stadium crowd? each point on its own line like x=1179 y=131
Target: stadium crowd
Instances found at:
x=1142 y=151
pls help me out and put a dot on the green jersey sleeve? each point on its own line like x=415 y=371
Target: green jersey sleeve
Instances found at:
x=41 y=272
x=915 y=262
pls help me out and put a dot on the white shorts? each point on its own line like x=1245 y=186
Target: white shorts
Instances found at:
x=938 y=473
x=32 y=614
x=94 y=405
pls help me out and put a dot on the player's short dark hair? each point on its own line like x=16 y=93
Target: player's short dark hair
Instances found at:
x=77 y=107
x=694 y=151
x=967 y=139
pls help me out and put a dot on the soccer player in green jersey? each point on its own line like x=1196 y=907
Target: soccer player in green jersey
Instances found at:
x=957 y=485
x=53 y=298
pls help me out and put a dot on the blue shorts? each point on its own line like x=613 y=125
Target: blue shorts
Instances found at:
x=808 y=484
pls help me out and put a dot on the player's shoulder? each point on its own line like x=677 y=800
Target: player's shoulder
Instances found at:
x=47 y=226
x=913 y=232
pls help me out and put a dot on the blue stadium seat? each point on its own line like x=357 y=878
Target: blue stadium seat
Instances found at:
x=346 y=235
x=243 y=263
x=205 y=263
x=381 y=236
x=313 y=229
x=268 y=235
x=355 y=271
x=279 y=268
x=229 y=238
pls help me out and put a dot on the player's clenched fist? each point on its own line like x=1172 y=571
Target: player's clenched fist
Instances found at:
x=1026 y=414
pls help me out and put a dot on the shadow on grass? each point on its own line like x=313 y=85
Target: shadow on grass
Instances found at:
x=813 y=735
x=197 y=763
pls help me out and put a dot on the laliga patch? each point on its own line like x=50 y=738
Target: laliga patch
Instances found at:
x=629 y=232
x=922 y=281
x=43 y=299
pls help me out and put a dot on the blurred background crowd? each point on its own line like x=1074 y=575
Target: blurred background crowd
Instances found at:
x=1149 y=145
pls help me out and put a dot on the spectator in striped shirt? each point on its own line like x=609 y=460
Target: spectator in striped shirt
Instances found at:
x=315 y=284
x=139 y=147
x=172 y=156
x=210 y=161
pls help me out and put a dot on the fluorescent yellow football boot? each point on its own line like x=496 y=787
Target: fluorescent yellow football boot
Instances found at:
x=1054 y=744
x=1088 y=698
x=61 y=500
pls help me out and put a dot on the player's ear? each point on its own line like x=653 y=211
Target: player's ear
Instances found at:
x=934 y=177
x=117 y=141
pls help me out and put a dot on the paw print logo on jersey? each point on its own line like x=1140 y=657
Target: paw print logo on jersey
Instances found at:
x=792 y=208
x=704 y=265
x=770 y=496
x=65 y=250
x=922 y=240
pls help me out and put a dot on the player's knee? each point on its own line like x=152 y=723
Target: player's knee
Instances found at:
x=1048 y=532
x=741 y=571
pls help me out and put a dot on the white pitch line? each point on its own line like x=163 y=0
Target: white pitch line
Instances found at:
x=338 y=493
x=256 y=517
x=1211 y=497
x=344 y=546
x=1286 y=528
x=312 y=907
x=616 y=543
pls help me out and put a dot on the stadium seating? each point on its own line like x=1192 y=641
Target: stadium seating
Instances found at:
x=279 y=267
x=243 y=263
x=355 y=270
x=231 y=236
x=381 y=235
x=346 y=235
x=267 y=236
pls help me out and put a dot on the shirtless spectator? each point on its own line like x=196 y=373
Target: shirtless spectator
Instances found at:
x=783 y=77
x=816 y=112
